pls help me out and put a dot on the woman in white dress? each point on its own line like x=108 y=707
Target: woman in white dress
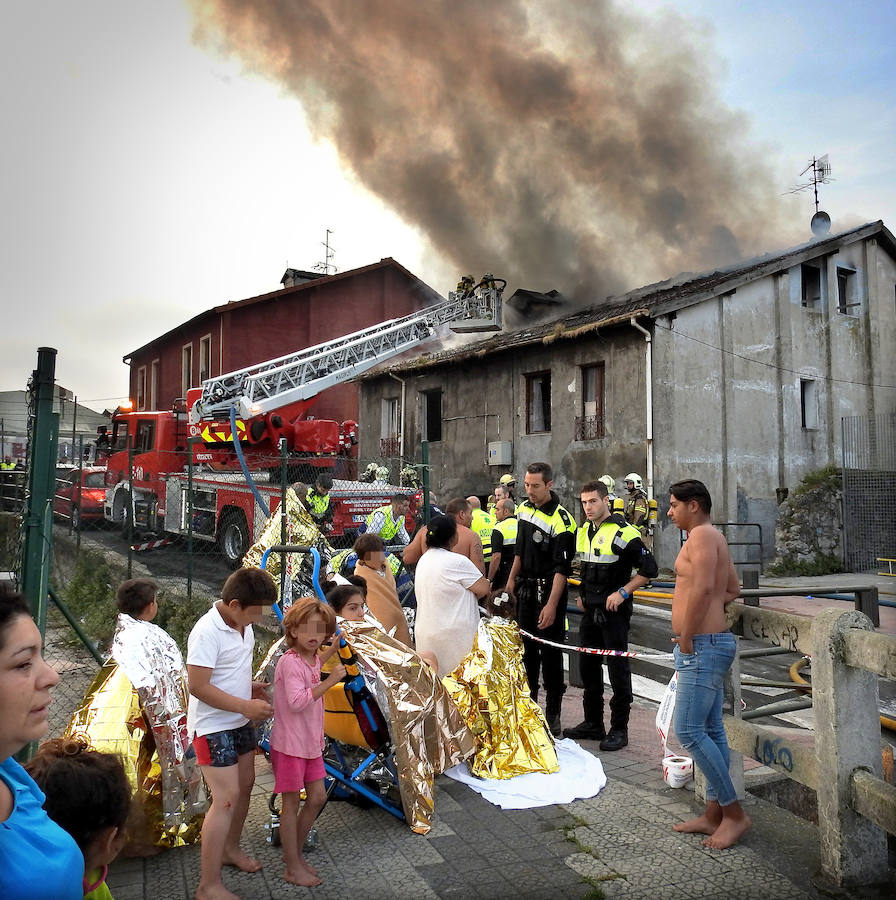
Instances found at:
x=447 y=586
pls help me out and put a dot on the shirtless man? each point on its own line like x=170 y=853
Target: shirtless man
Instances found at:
x=705 y=582
x=468 y=542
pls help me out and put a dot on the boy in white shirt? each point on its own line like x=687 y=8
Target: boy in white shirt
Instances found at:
x=224 y=702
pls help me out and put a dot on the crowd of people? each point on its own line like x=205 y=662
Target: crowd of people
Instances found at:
x=67 y=810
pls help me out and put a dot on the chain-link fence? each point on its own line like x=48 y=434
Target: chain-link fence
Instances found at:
x=869 y=490
x=187 y=533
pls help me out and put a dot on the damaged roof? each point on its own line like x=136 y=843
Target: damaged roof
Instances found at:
x=652 y=300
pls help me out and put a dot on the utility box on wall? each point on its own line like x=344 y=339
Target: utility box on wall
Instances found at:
x=500 y=453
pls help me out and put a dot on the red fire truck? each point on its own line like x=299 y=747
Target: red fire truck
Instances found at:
x=211 y=467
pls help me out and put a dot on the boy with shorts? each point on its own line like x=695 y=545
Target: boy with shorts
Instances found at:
x=224 y=702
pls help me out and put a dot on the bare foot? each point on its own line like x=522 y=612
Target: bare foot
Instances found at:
x=308 y=866
x=701 y=825
x=241 y=861
x=301 y=876
x=728 y=832
x=215 y=891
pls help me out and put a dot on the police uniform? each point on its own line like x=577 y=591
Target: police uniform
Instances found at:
x=608 y=553
x=382 y=522
x=503 y=543
x=545 y=544
x=482 y=524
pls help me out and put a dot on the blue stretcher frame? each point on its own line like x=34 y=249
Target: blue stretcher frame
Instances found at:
x=342 y=774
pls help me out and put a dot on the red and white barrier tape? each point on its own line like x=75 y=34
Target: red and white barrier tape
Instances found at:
x=152 y=545
x=595 y=652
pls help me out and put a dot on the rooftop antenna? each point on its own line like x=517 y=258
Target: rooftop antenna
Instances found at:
x=325 y=265
x=821 y=174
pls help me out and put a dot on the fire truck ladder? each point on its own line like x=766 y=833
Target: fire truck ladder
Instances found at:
x=261 y=388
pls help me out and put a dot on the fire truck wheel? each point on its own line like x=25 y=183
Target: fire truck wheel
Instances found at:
x=233 y=537
x=120 y=505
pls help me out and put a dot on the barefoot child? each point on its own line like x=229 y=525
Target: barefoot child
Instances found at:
x=88 y=795
x=224 y=702
x=297 y=737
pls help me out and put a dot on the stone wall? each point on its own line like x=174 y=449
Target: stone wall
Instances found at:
x=809 y=530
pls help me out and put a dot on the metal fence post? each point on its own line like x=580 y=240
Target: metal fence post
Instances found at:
x=853 y=849
x=41 y=488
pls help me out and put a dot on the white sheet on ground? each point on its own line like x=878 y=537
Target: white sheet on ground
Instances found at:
x=581 y=775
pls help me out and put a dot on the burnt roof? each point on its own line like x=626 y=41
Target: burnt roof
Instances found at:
x=652 y=300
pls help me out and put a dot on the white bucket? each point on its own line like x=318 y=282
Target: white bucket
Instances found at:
x=677 y=770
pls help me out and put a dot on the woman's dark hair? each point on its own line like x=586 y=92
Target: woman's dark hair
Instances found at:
x=358 y=582
x=12 y=605
x=691 y=489
x=135 y=594
x=440 y=531
x=341 y=594
x=87 y=791
x=368 y=543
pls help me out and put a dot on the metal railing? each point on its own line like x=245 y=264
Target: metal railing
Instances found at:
x=856 y=807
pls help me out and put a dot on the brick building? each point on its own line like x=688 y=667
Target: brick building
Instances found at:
x=309 y=309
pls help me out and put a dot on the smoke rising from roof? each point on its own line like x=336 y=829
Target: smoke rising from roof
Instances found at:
x=567 y=145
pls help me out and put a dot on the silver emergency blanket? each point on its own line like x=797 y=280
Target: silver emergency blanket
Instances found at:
x=153 y=664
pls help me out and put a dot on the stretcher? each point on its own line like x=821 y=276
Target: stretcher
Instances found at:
x=359 y=759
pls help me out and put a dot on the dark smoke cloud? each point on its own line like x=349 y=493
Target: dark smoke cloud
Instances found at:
x=562 y=145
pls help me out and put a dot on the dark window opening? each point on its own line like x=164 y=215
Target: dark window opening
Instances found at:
x=811 y=284
x=846 y=299
x=538 y=403
x=808 y=403
x=590 y=424
x=432 y=416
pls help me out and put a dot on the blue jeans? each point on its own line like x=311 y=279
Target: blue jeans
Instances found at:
x=698 y=709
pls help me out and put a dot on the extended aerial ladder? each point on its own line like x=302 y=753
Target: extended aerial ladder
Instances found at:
x=257 y=390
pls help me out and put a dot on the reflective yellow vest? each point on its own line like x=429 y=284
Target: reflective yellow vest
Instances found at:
x=483 y=524
x=391 y=526
x=317 y=504
x=508 y=528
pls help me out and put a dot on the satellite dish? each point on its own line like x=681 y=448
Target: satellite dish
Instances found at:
x=820 y=224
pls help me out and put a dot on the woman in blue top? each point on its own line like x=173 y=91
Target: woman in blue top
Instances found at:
x=38 y=860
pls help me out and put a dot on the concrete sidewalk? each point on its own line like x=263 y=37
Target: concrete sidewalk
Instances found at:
x=617 y=844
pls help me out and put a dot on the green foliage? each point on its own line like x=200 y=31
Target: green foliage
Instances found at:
x=830 y=478
x=90 y=597
x=178 y=614
x=10 y=535
x=822 y=564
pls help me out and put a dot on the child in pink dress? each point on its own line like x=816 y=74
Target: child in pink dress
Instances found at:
x=297 y=737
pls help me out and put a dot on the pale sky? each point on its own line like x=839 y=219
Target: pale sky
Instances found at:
x=145 y=180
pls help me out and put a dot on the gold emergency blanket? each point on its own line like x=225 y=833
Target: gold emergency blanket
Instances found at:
x=301 y=530
x=137 y=707
x=491 y=690
x=111 y=719
x=428 y=732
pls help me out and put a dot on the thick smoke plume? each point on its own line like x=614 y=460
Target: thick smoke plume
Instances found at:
x=559 y=143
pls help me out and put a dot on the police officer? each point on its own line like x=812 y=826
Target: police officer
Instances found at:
x=608 y=549
x=637 y=507
x=482 y=523
x=317 y=502
x=503 y=541
x=388 y=521
x=543 y=553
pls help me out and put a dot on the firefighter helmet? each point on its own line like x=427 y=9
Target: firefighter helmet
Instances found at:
x=507 y=479
x=636 y=478
x=609 y=482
